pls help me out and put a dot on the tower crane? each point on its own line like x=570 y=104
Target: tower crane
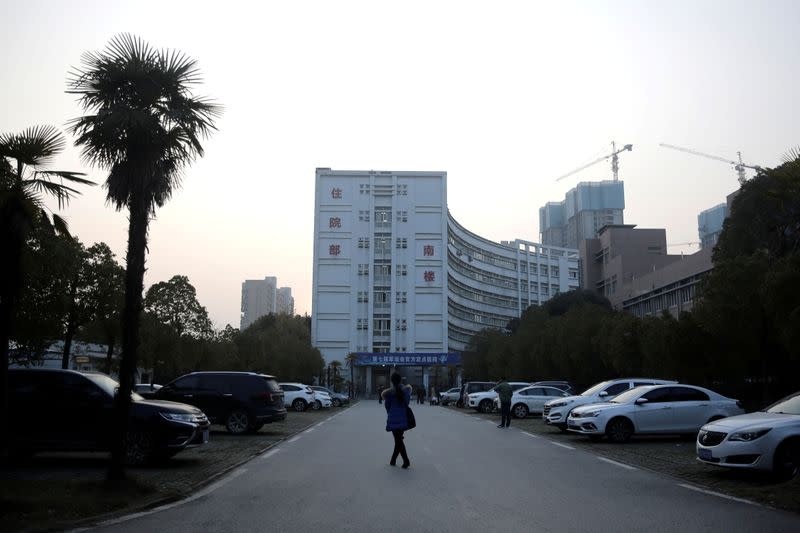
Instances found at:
x=614 y=161
x=737 y=165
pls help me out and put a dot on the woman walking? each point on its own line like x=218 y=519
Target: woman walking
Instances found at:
x=396 y=399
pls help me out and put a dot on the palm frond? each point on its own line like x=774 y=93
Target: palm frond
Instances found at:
x=791 y=155
x=74 y=177
x=34 y=146
x=60 y=225
x=61 y=192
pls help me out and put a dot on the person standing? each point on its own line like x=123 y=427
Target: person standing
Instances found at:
x=396 y=400
x=421 y=395
x=504 y=391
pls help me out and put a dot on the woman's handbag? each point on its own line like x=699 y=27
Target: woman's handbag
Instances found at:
x=412 y=422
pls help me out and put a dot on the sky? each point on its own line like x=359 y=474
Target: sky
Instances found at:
x=503 y=96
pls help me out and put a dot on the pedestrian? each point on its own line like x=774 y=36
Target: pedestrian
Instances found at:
x=433 y=396
x=504 y=391
x=396 y=401
x=421 y=395
x=380 y=394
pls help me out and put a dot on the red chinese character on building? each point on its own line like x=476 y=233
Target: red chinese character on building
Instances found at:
x=335 y=222
x=427 y=250
x=430 y=275
x=334 y=249
x=336 y=192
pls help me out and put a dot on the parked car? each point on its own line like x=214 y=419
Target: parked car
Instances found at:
x=146 y=390
x=241 y=401
x=484 y=402
x=471 y=387
x=449 y=396
x=321 y=399
x=655 y=409
x=65 y=410
x=764 y=440
x=337 y=398
x=555 y=412
x=531 y=399
x=300 y=397
x=566 y=386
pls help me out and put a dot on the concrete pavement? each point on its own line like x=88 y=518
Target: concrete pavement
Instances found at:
x=465 y=475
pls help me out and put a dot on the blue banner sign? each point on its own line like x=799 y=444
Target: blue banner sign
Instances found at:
x=407 y=359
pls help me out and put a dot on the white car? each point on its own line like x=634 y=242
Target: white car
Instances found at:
x=484 y=402
x=555 y=412
x=764 y=440
x=532 y=400
x=450 y=396
x=321 y=400
x=656 y=409
x=297 y=396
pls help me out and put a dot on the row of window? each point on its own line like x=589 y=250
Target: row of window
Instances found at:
x=479 y=295
x=478 y=317
x=482 y=275
x=473 y=251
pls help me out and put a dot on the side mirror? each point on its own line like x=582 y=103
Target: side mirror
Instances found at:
x=602 y=394
x=641 y=401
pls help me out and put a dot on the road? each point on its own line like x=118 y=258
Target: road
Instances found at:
x=465 y=475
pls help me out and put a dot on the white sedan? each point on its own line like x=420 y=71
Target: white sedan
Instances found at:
x=321 y=399
x=654 y=409
x=532 y=400
x=764 y=440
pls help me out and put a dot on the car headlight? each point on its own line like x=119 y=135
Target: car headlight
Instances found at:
x=748 y=436
x=180 y=417
x=558 y=404
x=590 y=414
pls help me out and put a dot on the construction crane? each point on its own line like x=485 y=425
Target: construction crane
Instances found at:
x=614 y=161
x=737 y=165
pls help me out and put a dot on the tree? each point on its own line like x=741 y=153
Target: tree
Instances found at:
x=144 y=126
x=24 y=182
x=351 y=360
x=174 y=302
x=336 y=365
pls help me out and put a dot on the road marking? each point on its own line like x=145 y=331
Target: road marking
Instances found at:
x=621 y=465
x=562 y=445
x=531 y=435
x=293 y=439
x=309 y=430
x=718 y=494
x=208 y=490
x=270 y=453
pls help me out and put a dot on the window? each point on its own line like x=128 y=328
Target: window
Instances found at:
x=362 y=324
x=401 y=242
x=363 y=188
x=402 y=190
x=659 y=395
x=613 y=390
x=402 y=270
x=363 y=242
x=400 y=325
x=553 y=272
x=687 y=394
x=189 y=382
x=400 y=297
x=363 y=216
x=290 y=388
x=402 y=216
x=363 y=297
x=363 y=269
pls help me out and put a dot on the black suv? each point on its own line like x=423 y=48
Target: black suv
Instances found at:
x=64 y=410
x=241 y=401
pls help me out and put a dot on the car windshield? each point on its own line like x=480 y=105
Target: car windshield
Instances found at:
x=595 y=389
x=109 y=385
x=787 y=406
x=627 y=396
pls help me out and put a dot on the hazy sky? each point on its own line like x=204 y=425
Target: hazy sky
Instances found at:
x=504 y=96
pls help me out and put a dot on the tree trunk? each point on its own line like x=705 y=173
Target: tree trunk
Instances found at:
x=71 y=327
x=109 y=353
x=131 y=316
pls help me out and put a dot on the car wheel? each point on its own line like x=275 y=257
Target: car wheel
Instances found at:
x=138 y=447
x=486 y=406
x=337 y=402
x=520 y=410
x=786 y=463
x=619 y=430
x=317 y=405
x=299 y=405
x=237 y=421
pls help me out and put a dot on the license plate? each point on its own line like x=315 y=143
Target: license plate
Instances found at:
x=205 y=436
x=703 y=453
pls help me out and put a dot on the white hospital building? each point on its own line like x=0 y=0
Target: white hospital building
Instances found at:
x=399 y=282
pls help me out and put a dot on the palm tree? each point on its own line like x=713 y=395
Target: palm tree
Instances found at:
x=351 y=359
x=23 y=185
x=144 y=126
x=335 y=365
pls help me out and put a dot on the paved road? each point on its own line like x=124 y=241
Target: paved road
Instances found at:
x=466 y=475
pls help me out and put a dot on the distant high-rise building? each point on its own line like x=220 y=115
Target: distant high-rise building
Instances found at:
x=285 y=301
x=709 y=224
x=259 y=298
x=585 y=210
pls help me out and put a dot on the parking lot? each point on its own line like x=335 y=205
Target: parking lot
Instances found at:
x=58 y=489
x=668 y=455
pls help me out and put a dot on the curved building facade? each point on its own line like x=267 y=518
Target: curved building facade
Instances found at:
x=490 y=283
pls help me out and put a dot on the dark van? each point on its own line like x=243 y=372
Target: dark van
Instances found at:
x=65 y=410
x=241 y=401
